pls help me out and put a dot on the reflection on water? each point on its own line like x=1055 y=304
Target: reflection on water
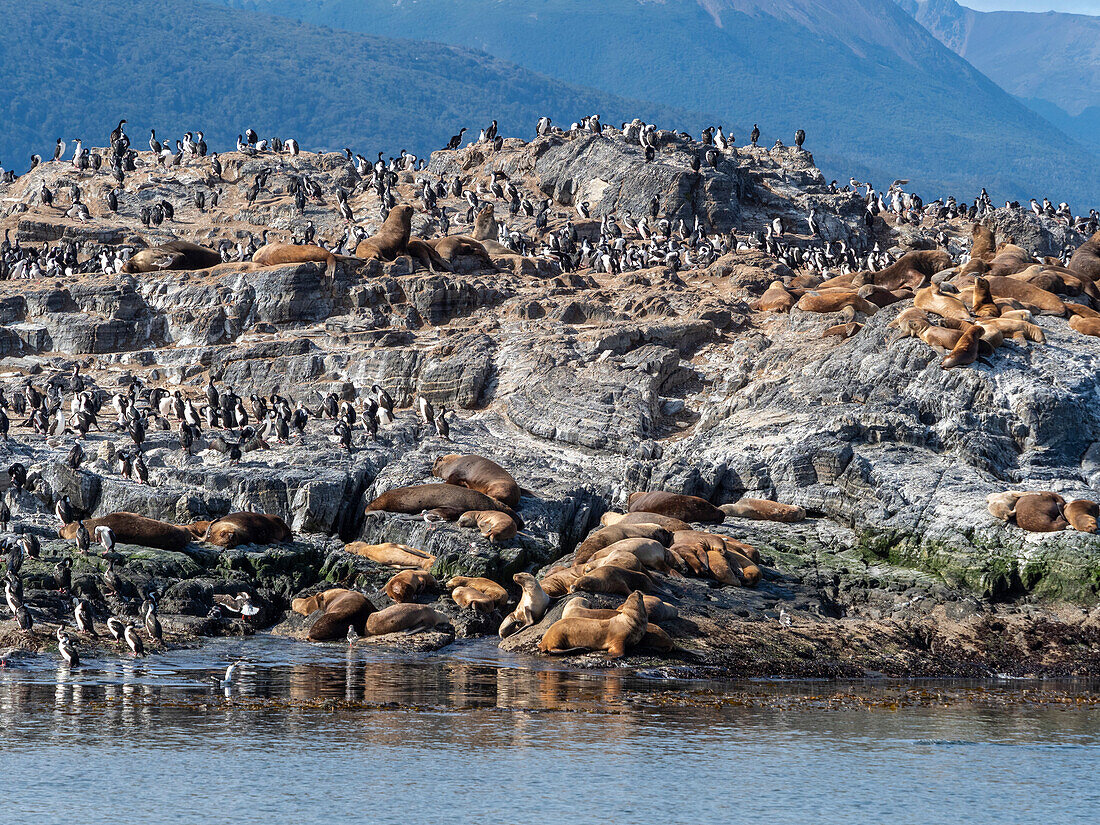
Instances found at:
x=309 y=733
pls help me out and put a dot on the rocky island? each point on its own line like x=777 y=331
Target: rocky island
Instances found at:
x=858 y=402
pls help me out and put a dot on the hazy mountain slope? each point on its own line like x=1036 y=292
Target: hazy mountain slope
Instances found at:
x=1051 y=61
x=876 y=93
x=178 y=67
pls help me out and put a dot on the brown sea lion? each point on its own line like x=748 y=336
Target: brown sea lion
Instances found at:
x=286 y=253
x=1016 y=329
x=616 y=636
x=1057 y=280
x=197 y=528
x=452 y=246
x=424 y=253
x=246 y=528
x=1085 y=261
x=713 y=541
x=982 y=302
x=653 y=554
x=600 y=539
x=486 y=231
x=677 y=505
x=392 y=238
x=486 y=586
x=1085 y=326
x=966 y=350
x=692 y=556
x=408 y=584
x=913 y=269
x=1041 y=512
x=1032 y=297
x=493 y=524
x=935 y=300
x=558 y=583
x=468 y=597
x=1009 y=259
x=479 y=474
x=655 y=636
x=448 y=499
x=399 y=618
x=396 y=555
x=720 y=569
x=1082 y=515
x=612 y=580
x=747 y=570
x=172 y=255
x=819 y=301
x=610 y=519
x=130 y=528
x=307 y=605
x=764 y=510
x=941 y=338
x=983 y=244
x=619 y=558
x=776 y=299
x=349 y=609
x=533 y=602
x=1003 y=505
x=880 y=296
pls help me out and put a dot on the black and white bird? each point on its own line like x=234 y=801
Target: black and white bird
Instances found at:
x=82 y=611
x=133 y=640
x=64 y=510
x=67 y=649
x=106 y=537
x=116 y=627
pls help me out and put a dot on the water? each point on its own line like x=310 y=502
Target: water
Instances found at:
x=316 y=734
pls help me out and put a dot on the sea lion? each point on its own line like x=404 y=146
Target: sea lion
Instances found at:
x=655 y=637
x=692 y=556
x=1085 y=260
x=404 y=617
x=619 y=558
x=1057 y=280
x=197 y=528
x=130 y=528
x=1009 y=259
x=1082 y=515
x=1039 y=301
x=558 y=583
x=713 y=541
x=486 y=586
x=911 y=270
x=486 y=231
x=533 y=602
x=747 y=570
x=172 y=255
x=616 y=636
x=982 y=302
x=449 y=499
x=720 y=568
x=452 y=246
x=935 y=300
x=612 y=580
x=396 y=555
x=966 y=350
x=350 y=609
x=406 y=585
x=309 y=604
x=466 y=597
x=1085 y=326
x=600 y=539
x=659 y=610
x=764 y=510
x=652 y=554
x=285 y=253
x=940 y=338
x=818 y=301
x=983 y=243
x=610 y=519
x=1014 y=328
x=246 y=528
x=775 y=299
x=1003 y=505
x=677 y=505
x=493 y=524
x=392 y=238
x=1041 y=512
x=479 y=474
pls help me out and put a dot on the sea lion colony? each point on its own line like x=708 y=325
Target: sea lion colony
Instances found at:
x=967 y=301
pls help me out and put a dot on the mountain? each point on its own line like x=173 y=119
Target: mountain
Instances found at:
x=877 y=94
x=186 y=66
x=1050 y=61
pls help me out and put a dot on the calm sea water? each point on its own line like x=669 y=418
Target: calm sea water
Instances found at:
x=322 y=734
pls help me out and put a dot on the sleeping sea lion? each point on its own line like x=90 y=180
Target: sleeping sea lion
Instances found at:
x=764 y=510
x=600 y=539
x=493 y=524
x=408 y=584
x=1041 y=512
x=610 y=519
x=396 y=555
x=308 y=604
x=1082 y=514
x=285 y=253
x=478 y=473
x=247 y=528
x=612 y=580
x=448 y=499
x=404 y=617
x=350 y=609
x=130 y=528
x=684 y=507
x=172 y=255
